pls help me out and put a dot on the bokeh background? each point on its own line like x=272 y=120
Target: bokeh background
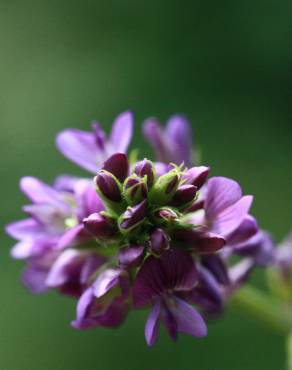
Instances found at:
x=226 y=64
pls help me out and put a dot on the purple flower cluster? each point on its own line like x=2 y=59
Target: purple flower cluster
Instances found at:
x=146 y=234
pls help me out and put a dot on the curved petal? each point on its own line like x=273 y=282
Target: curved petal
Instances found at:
x=34 y=278
x=154 y=134
x=87 y=199
x=188 y=320
x=81 y=148
x=246 y=230
x=179 y=270
x=231 y=218
x=221 y=194
x=83 y=319
x=73 y=236
x=107 y=280
x=152 y=324
x=65 y=183
x=25 y=229
x=179 y=133
x=122 y=132
x=39 y=192
x=68 y=261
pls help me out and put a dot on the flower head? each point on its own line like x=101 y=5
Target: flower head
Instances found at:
x=159 y=235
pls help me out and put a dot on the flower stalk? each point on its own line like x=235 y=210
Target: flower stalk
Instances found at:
x=265 y=308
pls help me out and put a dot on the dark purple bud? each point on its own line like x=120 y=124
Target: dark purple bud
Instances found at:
x=145 y=168
x=196 y=176
x=184 y=195
x=159 y=241
x=118 y=165
x=99 y=225
x=135 y=190
x=108 y=186
x=133 y=216
x=165 y=215
x=131 y=255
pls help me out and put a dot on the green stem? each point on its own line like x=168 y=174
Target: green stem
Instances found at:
x=265 y=308
x=289 y=351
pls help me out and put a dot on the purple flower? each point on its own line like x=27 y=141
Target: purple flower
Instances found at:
x=160 y=283
x=55 y=223
x=105 y=302
x=71 y=271
x=90 y=149
x=158 y=235
x=172 y=144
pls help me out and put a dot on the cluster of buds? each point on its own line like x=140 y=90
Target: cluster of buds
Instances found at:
x=146 y=234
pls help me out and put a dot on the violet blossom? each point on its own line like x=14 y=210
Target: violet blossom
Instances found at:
x=156 y=235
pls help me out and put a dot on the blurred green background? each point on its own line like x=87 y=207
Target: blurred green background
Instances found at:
x=226 y=64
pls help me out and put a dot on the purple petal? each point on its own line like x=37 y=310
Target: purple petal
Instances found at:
x=48 y=215
x=202 y=242
x=114 y=315
x=196 y=176
x=246 y=230
x=75 y=235
x=209 y=286
x=155 y=136
x=131 y=255
x=175 y=270
x=133 y=215
x=221 y=194
x=25 y=229
x=152 y=324
x=80 y=147
x=215 y=264
x=240 y=272
x=33 y=248
x=65 y=183
x=68 y=260
x=87 y=199
x=231 y=218
x=34 y=278
x=179 y=270
x=83 y=321
x=38 y=192
x=188 y=320
x=260 y=247
x=178 y=131
x=107 y=280
x=161 y=168
x=122 y=132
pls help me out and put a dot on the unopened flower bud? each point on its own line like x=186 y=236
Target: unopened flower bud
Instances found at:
x=165 y=215
x=165 y=187
x=133 y=217
x=108 y=186
x=99 y=225
x=184 y=195
x=118 y=165
x=135 y=190
x=145 y=168
x=196 y=176
x=158 y=241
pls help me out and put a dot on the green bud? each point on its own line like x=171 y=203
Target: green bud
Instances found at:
x=165 y=187
x=135 y=189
